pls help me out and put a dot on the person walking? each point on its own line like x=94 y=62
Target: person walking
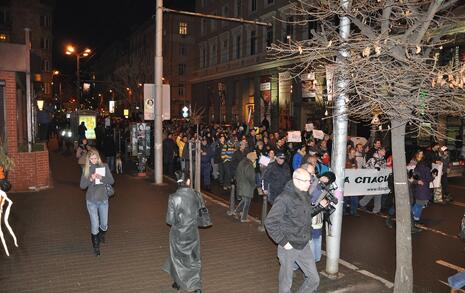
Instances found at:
x=94 y=177
x=289 y=224
x=109 y=148
x=81 y=153
x=246 y=184
x=169 y=151
x=183 y=263
x=275 y=177
x=422 y=191
x=378 y=162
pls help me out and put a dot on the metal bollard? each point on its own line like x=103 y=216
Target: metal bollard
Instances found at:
x=261 y=227
x=232 y=200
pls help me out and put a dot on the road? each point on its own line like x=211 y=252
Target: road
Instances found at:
x=370 y=245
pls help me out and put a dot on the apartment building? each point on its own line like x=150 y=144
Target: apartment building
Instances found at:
x=235 y=80
x=36 y=15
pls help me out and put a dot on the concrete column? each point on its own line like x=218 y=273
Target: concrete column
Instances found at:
x=230 y=95
x=257 y=101
x=297 y=104
x=274 y=105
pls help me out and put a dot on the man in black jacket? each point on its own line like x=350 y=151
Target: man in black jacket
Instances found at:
x=275 y=177
x=289 y=224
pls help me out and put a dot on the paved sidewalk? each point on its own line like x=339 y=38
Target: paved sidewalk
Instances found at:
x=55 y=253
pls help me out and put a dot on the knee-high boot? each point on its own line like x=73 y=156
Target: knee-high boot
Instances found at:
x=96 y=244
x=101 y=235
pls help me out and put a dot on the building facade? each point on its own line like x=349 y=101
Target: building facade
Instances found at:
x=235 y=80
x=129 y=64
x=36 y=15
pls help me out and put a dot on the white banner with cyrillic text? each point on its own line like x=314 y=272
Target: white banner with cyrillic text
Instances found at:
x=366 y=182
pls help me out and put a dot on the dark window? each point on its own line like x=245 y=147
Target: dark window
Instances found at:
x=270 y=1
x=182 y=51
x=45 y=21
x=238 y=47
x=238 y=7
x=181 y=69
x=253 y=43
x=269 y=36
x=204 y=56
x=289 y=27
x=253 y=5
x=181 y=90
x=44 y=43
x=4 y=16
x=312 y=25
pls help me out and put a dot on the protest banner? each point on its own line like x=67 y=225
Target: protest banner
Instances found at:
x=318 y=134
x=366 y=182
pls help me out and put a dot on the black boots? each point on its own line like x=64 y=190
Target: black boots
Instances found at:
x=101 y=235
x=175 y=286
x=96 y=244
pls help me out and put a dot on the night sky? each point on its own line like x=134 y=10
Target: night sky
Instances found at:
x=95 y=24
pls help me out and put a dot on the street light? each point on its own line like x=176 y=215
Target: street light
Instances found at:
x=71 y=50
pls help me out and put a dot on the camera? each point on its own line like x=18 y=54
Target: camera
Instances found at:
x=327 y=192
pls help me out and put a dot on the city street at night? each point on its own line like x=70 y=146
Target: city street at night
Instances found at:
x=232 y=146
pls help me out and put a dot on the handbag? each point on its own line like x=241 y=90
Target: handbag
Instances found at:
x=109 y=190
x=203 y=217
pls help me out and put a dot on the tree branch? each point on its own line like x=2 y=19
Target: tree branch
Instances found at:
x=386 y=17
x=432 y=10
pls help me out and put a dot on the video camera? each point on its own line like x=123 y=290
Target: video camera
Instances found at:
x=327 y=192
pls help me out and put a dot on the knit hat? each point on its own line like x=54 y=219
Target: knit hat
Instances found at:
x=252 y=156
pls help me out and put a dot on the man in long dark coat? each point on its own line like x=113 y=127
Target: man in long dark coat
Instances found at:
x=183 y=263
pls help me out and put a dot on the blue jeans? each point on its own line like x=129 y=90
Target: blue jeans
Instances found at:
x=98 y=213
x=417 y=209
x=111 y=163
x=315 y=245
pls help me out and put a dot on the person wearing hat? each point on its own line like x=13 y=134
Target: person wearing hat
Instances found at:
x=245 y=181
x=275 y=177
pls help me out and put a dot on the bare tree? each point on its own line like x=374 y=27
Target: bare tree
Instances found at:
x=394 y=76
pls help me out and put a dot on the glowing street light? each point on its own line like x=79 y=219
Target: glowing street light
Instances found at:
x=71 y=50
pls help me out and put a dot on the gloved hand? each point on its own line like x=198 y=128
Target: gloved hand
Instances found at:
x=288 y=246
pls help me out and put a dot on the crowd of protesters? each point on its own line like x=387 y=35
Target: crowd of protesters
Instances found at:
x=232 y=154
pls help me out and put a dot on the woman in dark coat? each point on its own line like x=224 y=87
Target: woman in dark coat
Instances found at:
x=422 y=191
x=183 y=263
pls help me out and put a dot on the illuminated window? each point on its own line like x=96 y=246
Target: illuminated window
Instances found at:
x=183 y=28
x=3 y=37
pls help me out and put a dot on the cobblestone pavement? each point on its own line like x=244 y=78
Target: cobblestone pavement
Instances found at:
x=55 y=253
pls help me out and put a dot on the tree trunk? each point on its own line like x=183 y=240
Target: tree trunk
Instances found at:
x=404 y=270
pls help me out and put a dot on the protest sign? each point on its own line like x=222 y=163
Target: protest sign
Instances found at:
x=318 y=134
x=309 y=127
x=294 y=136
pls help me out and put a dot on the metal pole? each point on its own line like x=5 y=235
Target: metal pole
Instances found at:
x=158 y=151
x=333 y=235
x=261 y=228
x=190 y=163
x=78 y=85
x=28 y=90
x=232 y=200
x=217 y=17
x=197 y=164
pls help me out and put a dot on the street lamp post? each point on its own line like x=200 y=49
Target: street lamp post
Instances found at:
x=71 y=50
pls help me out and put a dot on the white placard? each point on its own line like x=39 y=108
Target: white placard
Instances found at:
x=318 y=134
x=149 y=102
x=359 y=140
x=309 y=127
x=294 y=136
x=437 y=181
x=100 y=171
x=264 y=160
x=265 y=86
x=366 y=181
x=107 y=122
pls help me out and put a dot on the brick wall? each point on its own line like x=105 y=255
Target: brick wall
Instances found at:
x=32 y=169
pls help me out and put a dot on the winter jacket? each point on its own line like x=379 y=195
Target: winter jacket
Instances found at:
x=423 y=192
x=296 y=161
x=245 y=178
x=290 y=218
x=96 y=192
x=275 y=178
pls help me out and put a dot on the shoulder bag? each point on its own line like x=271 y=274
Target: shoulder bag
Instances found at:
x=203 y=217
